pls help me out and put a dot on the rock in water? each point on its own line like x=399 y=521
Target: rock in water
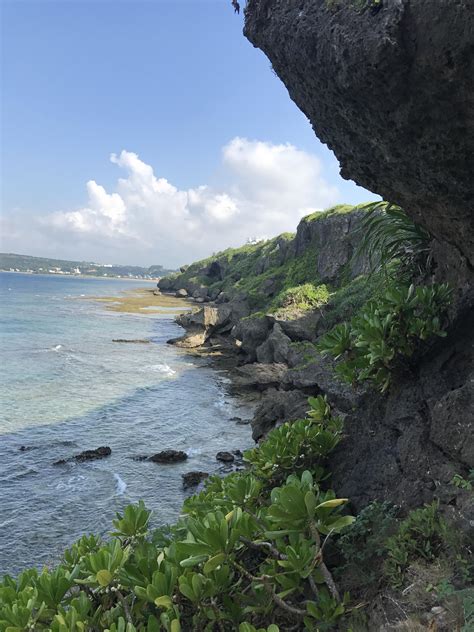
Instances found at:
x=134 y=341
x=169 y=456
x=87 y=455
x=192 y=479
x=225 y=457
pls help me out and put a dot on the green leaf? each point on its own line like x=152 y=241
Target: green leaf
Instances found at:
x=335 y=502
x=163 y=602
x=213 y=563
x=104 y=577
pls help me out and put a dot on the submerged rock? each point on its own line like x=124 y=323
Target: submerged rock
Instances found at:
x=169 y=456
x=87 y=455
x=134 y=341
x=192 y=479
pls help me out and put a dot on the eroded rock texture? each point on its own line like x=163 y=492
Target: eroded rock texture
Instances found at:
x=391 y=91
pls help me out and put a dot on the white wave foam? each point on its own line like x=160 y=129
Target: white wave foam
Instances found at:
x=221 y=402
x=57 y=348
x=161 y=368
x=193 y=451
x=121 y=485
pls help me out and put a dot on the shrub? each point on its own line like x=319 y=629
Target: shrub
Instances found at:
x=422 y=535
x=386 y=332
x=304 y=296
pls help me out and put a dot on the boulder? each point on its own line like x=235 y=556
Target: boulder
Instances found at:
x=169 y=456
x=225 y=457
x=252 y=332
x=276 y=407
x=201 y=292
x=166 y=284
x=193 y=479
x=300 y=325
x=258 y=376
x=87 y=455
x=181 y=293
x=275 y=348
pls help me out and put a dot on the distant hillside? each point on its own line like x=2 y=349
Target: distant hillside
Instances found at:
x=43 y=265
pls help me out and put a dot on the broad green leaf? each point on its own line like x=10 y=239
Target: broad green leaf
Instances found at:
x=104 y=577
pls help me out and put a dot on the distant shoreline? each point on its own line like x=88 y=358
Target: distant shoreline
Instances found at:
x=82 y=276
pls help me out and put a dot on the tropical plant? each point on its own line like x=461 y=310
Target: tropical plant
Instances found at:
x=388 y=235
x=386 y=332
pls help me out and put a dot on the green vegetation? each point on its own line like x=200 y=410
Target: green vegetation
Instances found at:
x=304 y=296
x=249 y=552
x=386 y=332
x=464 y=483
x=390 y=235
x=271 y=273
x=422 y=535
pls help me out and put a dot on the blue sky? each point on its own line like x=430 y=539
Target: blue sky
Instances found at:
x=206 y=126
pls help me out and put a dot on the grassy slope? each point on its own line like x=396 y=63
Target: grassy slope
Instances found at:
x=242 y=273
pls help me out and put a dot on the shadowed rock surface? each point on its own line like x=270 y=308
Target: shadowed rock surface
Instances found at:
x=390 y=90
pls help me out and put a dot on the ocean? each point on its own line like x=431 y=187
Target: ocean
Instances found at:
x=65 y=387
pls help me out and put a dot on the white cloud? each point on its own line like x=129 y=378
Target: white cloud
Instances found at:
x=147 y=219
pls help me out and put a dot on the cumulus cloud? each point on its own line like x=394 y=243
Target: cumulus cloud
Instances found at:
x=147 y=219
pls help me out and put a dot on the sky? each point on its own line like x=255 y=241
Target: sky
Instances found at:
x=149 y=132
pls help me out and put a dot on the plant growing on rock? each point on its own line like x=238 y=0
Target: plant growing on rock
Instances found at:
x=304 y=296
x=386 y=332
x=389 y=235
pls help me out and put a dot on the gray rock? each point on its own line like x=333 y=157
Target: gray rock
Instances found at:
x=277 y=407
x=252 y=332
x=193 y=479
x=87 y=455
x=201 y=292
x=225 y=457
x=169 y=456
x=305 y=325
x=275 y=348
x=258 y=376
x=181 y=293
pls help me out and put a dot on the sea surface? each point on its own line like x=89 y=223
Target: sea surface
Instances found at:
x=66 y=387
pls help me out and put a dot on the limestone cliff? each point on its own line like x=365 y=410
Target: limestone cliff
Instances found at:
x=388 y=85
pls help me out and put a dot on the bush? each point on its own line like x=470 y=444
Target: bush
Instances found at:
x=386 y=332
x=304 y=296
x=422 y=535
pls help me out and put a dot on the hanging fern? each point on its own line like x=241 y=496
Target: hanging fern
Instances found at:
x=390 y=235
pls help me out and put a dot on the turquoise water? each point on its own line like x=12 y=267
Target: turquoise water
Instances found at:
x=66 y=387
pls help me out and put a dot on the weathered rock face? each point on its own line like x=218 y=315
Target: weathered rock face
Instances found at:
x=335 y=239
x=407 y=447
x=391 y=91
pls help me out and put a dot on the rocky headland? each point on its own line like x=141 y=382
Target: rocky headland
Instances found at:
x=404 y=446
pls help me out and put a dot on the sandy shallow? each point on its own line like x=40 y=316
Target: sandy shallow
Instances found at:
x=143 y=301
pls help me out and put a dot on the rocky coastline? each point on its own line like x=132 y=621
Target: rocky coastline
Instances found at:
x=404 y=447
